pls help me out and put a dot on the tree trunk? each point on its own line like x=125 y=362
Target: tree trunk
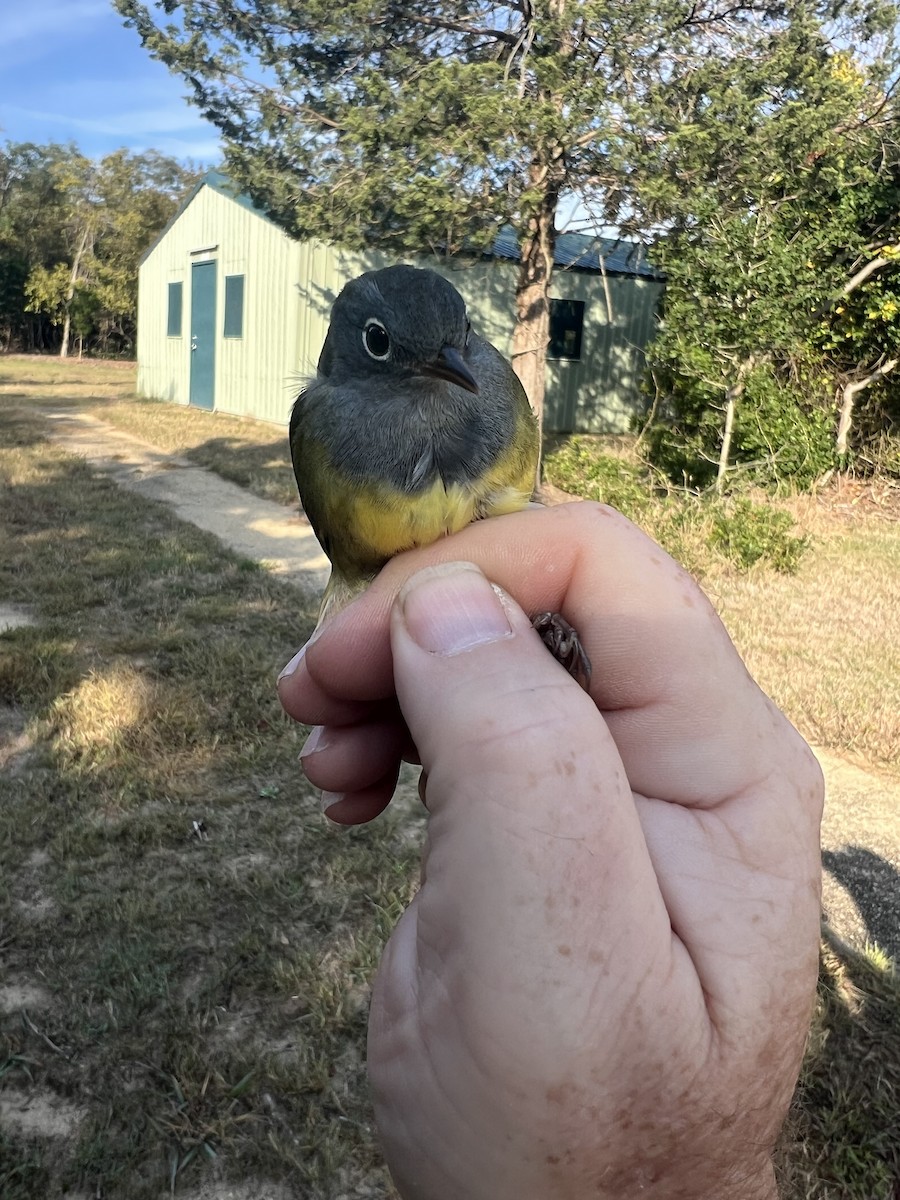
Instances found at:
x=546 y=176
x=532 y=331
x=70 y=290
x=67 y=328
x=848 y=396
x=732 y=396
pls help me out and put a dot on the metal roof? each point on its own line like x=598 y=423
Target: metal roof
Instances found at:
x=584 y=252
x=573 y=251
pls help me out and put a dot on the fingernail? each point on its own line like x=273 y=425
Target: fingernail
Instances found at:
x=292 y=666
x=450 y=608
x=298 y=657
x=318 y=740
x=331 y=798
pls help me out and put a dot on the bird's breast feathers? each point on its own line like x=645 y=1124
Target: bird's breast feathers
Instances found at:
x=387 y=522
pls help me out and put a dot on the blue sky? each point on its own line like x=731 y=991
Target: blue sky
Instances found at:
x=71 y=71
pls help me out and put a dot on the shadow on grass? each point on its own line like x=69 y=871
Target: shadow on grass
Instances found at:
x=263 y=468
x=875 y=886
x=113 y=579
x=194 y=940
x=841 y=1141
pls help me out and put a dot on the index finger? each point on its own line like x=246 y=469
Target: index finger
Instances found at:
x=688 y=720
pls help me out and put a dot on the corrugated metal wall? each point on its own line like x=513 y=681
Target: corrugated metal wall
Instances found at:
x=601 y=392
x=257 y=373
x=288 y=292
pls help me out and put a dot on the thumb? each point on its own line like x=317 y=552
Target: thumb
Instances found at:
x=537 y=879
x=492 y=714
x=523 y=774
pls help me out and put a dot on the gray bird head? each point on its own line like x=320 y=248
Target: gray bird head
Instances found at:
x=400 y=321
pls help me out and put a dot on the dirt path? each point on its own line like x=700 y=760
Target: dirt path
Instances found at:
x=861 y=830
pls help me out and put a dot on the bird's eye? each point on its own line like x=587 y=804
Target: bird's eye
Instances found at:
x=376 y=340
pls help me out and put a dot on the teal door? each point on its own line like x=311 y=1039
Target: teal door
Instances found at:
x=203 y=334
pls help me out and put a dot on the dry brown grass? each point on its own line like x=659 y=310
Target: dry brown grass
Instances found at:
x=825 y=642
x=194 y=992
x=65 y=380
x=252 y=454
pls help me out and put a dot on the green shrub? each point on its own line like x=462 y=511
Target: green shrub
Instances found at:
x=696 y=529
x=580 y=466
x=780 y=438
x=749 y=533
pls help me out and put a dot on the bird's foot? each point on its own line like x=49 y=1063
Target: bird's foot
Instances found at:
x=565 y=645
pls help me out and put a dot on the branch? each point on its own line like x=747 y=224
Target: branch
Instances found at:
x=497 y=35
x=885 y=369
x=863 y=274
x=849 y=394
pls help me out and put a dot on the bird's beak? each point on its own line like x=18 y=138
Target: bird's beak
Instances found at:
x=449 y=365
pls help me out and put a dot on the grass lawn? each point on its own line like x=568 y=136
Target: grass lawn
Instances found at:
x=186 y=947
x=252 y=454
x=186 y=944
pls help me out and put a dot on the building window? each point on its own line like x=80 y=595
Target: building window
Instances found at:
x=234 y=306
x=173 y=326
x=566 y=324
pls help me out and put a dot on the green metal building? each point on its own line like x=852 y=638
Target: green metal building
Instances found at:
x=232 y=313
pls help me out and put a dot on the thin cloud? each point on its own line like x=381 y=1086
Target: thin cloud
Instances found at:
x=56 y=17
x=78 y=75
x=124 y=124
x=204 y=151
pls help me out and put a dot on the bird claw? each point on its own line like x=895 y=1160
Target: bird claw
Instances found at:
x=565 y=645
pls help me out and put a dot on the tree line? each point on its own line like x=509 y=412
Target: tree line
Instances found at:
x=72 y=231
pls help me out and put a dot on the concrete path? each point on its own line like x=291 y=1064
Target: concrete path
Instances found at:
x=254 y=528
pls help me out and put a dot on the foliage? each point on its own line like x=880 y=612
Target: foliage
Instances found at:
x=749 y=533
x=783 y=434
x=579 y=465
x=696 y=530
x=72 y=232
x=766 y=179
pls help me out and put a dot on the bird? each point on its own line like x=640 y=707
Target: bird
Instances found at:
x=413 y=427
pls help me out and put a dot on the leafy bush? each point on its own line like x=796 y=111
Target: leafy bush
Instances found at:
x=697 y=530
x=749 y=533
x=581 y=467
x=779 y=439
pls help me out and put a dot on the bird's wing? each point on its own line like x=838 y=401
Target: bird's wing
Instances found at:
x=308 y=457
x=331 y=499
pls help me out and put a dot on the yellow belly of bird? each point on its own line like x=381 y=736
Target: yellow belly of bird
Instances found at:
x=388 y=522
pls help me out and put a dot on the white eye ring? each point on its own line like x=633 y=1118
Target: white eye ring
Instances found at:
x=376 y=340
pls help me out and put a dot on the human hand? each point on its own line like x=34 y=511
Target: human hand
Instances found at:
x=604 y=983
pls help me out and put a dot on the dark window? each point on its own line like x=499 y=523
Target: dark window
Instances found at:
x=566 y=324
x=173 y=327
x=234 y=306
